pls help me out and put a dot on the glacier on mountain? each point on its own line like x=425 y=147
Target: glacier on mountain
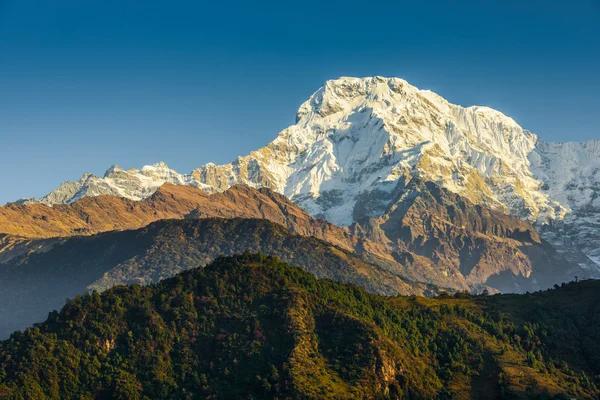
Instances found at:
x=358 y=141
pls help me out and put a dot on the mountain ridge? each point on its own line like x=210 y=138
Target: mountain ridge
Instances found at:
x=356 y=140
x=470 y=245
x=493 y=251
x=35 y=283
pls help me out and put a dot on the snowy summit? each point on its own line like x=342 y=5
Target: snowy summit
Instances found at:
x=358 y=141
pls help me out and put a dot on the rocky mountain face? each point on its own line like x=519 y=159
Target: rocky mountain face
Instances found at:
x=469 y=246
x=35 y=283
x=356 y=141
x=428 y=235
x=251 y=326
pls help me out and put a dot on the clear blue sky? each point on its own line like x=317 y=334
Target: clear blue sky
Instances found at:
x=88 y=84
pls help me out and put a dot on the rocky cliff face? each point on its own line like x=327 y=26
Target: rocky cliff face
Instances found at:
x=357 y=141
x=469 y=245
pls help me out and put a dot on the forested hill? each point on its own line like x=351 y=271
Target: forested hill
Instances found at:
x=39 y=282
x=251 y=326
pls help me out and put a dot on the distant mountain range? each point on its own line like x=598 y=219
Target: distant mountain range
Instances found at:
x=358 y=142
x=432 y=236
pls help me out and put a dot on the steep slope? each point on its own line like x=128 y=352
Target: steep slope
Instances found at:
x=470 y=246
x=15 y=246
x=356 y=140
x=35 y=284
x=245 y=202
x=571 y=174
x=96 y=214
x=253 y=327
x=104 y=213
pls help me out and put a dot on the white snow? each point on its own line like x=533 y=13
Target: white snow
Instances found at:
x=356 y=136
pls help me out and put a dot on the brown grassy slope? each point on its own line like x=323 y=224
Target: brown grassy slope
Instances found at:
x=245 y=202
x=98 y=214
x=92 y=215
x=104 y=213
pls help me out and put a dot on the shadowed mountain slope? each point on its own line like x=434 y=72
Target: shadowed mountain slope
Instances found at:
x=35 y=284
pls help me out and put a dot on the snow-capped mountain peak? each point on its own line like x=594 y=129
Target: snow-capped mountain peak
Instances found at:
x=132 y=184
x=358 y=141
x=358 y=136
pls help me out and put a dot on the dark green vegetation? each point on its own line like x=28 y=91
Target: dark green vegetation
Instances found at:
x=253 y=327
x=35 y=284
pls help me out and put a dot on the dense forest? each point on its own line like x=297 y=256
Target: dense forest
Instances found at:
x=251 y=326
